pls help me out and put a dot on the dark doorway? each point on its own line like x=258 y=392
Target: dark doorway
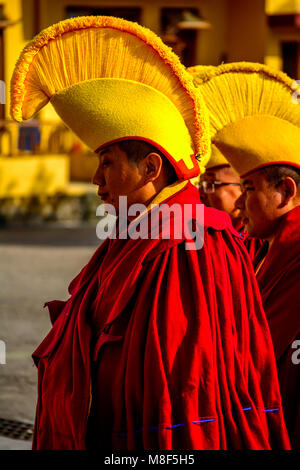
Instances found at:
x=290 y=58
x=130 y=14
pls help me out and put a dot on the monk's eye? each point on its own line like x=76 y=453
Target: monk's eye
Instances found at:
x=248 y=188
x=106 y=163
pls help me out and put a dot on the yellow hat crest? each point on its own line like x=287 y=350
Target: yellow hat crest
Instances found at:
x=109 y=80
x=254 y=119
x=217 y=159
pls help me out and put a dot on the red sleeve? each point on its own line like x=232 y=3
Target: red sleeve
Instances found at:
x=281 y=302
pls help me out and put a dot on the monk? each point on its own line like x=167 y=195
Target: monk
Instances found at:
x=163 y=343
x=220 y=187
x=270 y=207
x=258 y=132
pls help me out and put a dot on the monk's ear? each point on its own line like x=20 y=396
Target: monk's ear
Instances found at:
x=150 y=167
x=288 y=189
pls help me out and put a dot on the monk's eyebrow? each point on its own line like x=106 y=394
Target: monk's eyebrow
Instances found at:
x=244 y=183
x=103 y=152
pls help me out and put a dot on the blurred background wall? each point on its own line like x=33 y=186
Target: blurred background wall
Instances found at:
x=42 y=164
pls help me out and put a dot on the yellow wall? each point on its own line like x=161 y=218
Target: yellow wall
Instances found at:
x=282 y=7
x=273 y=51
x=33 y=175
x=15 y=37
x=246 y=30
x=273 y=55
x=210 y=43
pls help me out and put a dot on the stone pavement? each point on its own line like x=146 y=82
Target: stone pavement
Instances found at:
x=14 y=444
x=36 y=265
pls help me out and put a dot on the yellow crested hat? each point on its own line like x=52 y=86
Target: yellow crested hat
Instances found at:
x=109 y=80
x=217 y=159
x=254 y=114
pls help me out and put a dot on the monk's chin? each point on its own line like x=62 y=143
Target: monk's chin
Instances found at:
x=251 y=231
x=236 y=221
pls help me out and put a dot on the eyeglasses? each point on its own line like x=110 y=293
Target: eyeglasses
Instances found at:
x=210 y=186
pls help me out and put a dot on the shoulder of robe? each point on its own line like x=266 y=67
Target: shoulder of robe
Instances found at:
x=215 y=219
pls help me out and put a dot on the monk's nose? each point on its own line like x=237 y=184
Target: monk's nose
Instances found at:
x=240 y=202
x=98 y=178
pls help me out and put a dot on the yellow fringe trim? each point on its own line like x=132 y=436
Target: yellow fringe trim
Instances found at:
x=203 y=74
x=201 y=127
x=225 y=109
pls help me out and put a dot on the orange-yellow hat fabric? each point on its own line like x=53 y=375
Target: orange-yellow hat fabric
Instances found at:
x=110 y=79
x=216 y=159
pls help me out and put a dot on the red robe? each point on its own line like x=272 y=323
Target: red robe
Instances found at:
x=176 y=343
x=279 y=282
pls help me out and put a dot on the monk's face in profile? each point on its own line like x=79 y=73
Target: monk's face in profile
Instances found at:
x=260 y=205
x=117 y=176
x=222 y=196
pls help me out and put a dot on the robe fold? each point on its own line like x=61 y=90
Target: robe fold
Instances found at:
x=161 y=347
x=279 y=283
